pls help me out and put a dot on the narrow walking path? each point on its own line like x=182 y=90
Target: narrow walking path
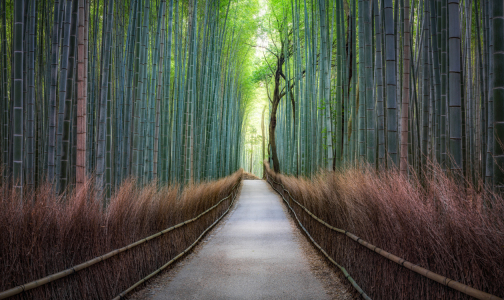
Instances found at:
x=253 y=255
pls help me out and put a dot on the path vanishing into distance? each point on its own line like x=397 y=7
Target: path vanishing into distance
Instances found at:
x=256 y=253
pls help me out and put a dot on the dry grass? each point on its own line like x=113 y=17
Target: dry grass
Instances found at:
x=440 y=225
x=53 y=234
x=250 y=176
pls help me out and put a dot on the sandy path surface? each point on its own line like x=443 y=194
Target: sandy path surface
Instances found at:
x=256 y=253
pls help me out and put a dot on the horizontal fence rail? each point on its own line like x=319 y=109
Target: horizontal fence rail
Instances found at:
x=42 y=281
x=417 y=269
x=347 y=275
x=121 y=295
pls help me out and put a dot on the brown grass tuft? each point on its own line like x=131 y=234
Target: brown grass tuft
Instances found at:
x=445 y=227
x=250 y=176
x=50 y=234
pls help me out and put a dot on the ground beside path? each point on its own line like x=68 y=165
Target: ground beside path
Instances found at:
x=255 y=253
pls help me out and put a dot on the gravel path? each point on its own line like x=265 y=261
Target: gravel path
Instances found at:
x=256 y=253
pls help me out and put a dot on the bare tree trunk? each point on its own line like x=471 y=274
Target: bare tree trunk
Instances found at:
x=273 y=118
x=272 y=141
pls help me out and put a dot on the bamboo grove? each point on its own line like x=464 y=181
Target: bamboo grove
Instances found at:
x=145 y=88
x=394 y=84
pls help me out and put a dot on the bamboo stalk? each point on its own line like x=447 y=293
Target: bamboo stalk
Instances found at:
x=18 y=100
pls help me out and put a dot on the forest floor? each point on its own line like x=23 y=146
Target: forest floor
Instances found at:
x=256 y=252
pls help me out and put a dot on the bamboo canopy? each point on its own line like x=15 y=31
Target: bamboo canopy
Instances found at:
x=392 y=84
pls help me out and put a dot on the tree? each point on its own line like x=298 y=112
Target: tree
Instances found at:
x=280 y=85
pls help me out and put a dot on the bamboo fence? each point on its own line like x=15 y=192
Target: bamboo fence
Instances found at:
x=42 y=281
x=400 y=261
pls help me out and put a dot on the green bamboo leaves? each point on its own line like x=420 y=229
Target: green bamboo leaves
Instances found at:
x=158 y=89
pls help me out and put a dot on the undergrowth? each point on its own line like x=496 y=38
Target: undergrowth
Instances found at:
x=48 y=234
x=250 y=176
x=434 y=222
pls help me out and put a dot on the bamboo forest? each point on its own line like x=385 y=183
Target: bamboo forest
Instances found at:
x=130 y=128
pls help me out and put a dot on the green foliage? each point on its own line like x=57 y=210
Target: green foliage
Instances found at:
x=168 y=84
x=360 y=89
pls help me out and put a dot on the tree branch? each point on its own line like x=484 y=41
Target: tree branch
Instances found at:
x=269 y=66
x=266 y=48
x=290 y=89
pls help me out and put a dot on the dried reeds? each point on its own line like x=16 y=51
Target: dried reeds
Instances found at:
x=250 y=176
x=50 y=234
x=448 y=228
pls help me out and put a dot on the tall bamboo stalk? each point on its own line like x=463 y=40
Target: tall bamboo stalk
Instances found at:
x=81 y=96
x=104 y=93
x=17 y=99
x=406 y=90
x=391 y=84
x=30 y=101
x=455 y=111
x=498 y=93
